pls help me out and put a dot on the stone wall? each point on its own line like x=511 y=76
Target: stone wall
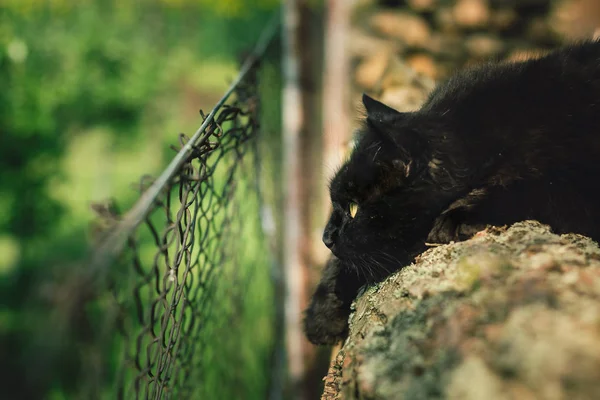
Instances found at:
x=510 y=314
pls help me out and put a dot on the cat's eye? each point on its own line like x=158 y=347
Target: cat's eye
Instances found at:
x=353 y=209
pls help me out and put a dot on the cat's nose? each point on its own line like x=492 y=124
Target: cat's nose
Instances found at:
x=328 y=239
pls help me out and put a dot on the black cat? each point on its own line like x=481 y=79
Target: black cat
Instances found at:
x=494 y=145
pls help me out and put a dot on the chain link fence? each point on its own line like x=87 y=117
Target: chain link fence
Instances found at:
x=176 y=299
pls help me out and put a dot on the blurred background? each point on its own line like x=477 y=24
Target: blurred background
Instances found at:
x=92 y=95
x=94 y=92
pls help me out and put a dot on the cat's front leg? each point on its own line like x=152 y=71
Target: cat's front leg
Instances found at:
x=461 y=220
x=326 y=319
x=451 y=228
x=499 y=205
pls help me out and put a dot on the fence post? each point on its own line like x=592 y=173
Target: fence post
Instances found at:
x=293 y=120
x=302 y=59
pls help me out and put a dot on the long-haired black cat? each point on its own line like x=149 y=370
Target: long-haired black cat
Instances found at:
x=494 y=145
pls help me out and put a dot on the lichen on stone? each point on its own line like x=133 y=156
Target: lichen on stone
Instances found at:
x=513 y=313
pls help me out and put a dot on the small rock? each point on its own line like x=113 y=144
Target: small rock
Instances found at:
x=362 y=45
x=483 y=46
x=404 y=98
x=364 y=3
x=370 y=71
x=397 y=74
x=449 y=46
x=471 y=13
x=538 y=29
x=445 y=69
x=444 y=20
x=503 y=19
x=422 y=5
x=409 y=28
x=575 y=19
x=423 y=64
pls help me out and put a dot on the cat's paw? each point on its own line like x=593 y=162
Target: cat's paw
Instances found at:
x=451 y=227
x=326 y=321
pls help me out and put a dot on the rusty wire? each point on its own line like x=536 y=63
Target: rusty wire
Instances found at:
x=162 y=319
x=166 y=286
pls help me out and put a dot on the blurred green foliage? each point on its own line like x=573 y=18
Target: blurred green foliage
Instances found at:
x=69 y=66
x=92 y=93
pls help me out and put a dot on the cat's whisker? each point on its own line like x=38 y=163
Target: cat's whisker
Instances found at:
x=391 y=259
x=359 y=270
x=367 y=268
x=377 y=152
x=380 y=266
x=387 y=270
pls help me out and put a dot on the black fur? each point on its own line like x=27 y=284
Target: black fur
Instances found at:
x=327 y=318
x=494 y=145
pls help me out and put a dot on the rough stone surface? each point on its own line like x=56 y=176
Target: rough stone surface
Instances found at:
x=423 y=64
x=408 y=27
x=362 y=44
x=471 y=13
x=483 y=46
x=400 y=86
x=575 y=19
x=370 y=71
x=434 y=38
x=513 y=313
x=423 y=5
x=403 y=98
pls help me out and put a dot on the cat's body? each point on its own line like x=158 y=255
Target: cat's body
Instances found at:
x=494 y=145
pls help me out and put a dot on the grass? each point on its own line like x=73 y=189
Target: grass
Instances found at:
x=97 y=166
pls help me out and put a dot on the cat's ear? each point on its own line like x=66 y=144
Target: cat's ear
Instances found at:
x=378 y=113
x=390 y=126
x=398 y=165
x=385 y=121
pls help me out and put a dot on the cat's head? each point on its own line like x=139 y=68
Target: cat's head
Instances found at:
x=380 y=195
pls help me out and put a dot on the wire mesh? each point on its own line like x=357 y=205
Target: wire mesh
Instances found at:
x=176 y=300
x=185 y=258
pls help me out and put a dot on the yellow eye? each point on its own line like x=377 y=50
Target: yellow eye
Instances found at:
x=353 y=208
